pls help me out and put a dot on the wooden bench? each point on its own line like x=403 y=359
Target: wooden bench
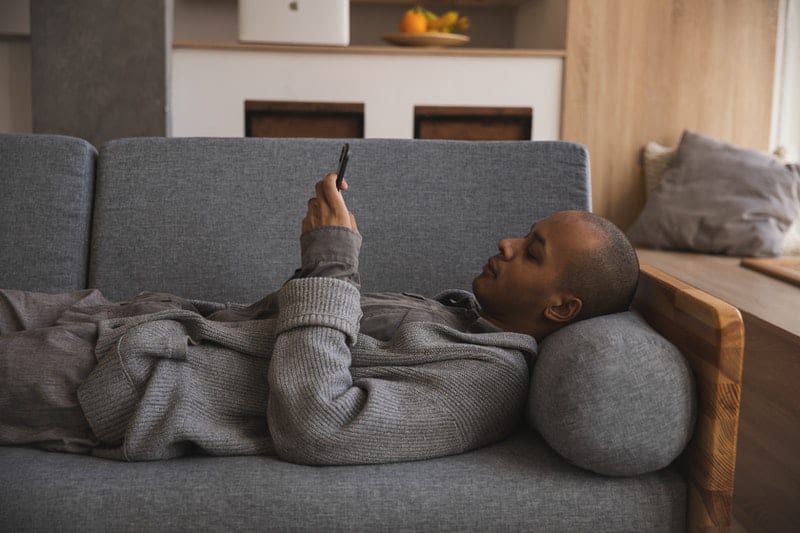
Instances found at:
x=767 y=465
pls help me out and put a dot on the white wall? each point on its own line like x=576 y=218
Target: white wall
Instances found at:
x=209 y=87
x=786 y=112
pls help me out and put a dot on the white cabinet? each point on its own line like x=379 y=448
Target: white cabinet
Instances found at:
x=210 y=84
x=515 y=59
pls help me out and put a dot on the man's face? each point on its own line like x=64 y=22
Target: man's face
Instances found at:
x=519 y=283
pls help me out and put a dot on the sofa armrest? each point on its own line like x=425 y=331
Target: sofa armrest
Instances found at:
x=710 y=333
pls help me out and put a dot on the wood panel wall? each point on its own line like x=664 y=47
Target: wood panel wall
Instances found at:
x=645 y=70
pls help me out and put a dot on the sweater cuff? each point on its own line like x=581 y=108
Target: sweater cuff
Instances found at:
x=330 y=252
x=320 y=302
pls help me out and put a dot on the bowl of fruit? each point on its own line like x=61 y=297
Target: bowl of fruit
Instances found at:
x=421 y=27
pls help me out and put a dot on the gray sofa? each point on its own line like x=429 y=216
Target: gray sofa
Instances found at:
x=219 y=219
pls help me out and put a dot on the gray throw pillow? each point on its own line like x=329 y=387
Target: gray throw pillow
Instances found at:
x=719 y=198
x=611 y=395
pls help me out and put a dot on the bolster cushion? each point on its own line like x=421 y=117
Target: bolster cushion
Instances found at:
x=611 y=395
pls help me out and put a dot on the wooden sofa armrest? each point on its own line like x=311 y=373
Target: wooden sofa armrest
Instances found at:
x=710 y=333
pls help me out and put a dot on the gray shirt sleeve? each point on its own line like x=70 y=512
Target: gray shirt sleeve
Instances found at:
x=330 y=252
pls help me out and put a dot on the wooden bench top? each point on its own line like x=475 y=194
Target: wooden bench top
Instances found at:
x=771 y=301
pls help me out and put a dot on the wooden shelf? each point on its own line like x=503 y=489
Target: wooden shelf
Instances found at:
x=6 y=36
x=455 y=3
x=371 y=50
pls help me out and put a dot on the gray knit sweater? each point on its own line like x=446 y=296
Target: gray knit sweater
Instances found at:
x=305 y=382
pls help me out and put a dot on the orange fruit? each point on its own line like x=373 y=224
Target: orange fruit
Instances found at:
x=413 y=22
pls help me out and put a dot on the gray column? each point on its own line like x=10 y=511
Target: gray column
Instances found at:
x=100 y=68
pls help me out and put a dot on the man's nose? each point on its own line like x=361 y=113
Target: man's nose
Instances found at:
x=506 y=247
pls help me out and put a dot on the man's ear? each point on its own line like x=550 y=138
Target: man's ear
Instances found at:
x=564 y=310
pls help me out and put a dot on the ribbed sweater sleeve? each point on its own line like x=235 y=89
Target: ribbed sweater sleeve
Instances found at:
x=422 y=395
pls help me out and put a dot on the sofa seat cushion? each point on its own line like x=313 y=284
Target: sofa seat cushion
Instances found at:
x=45 y=211
x=611 y=395
x=518 y=484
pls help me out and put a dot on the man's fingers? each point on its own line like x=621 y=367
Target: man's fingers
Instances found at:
x=330 y=199
x=328 y=207
x=318 y=189
x=314 y=208
x=326 y=189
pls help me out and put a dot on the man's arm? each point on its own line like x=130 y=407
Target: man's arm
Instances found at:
x=330 y=241
x=421 y=403
x=428 y=392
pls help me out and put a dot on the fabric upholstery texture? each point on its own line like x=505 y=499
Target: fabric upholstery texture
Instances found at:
x=657 y=158
x=611 y=395
x=45 y=211
x=791 y=243
x=219 y=219
x=516 y=485
x=719 y=198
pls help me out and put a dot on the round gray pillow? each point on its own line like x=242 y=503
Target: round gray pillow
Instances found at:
x=611 y=395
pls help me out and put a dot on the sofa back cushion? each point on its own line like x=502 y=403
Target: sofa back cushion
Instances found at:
x=45 y=211
x=219 y=219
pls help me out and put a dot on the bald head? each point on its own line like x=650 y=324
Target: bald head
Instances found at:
x=605 y=271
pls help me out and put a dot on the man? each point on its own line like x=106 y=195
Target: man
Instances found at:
x=315 y=372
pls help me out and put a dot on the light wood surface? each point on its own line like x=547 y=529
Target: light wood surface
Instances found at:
x=772 y=302
x=767 y=463
x=782 y=268
x=710 y=333
x=369 y=50
x=426 y=39
x=639 y=71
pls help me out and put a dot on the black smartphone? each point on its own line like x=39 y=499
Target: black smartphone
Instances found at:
x=344 y=156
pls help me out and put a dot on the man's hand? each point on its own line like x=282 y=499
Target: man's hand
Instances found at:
x=327 y=208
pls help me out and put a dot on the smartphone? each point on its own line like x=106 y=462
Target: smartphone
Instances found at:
x=344 y=156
